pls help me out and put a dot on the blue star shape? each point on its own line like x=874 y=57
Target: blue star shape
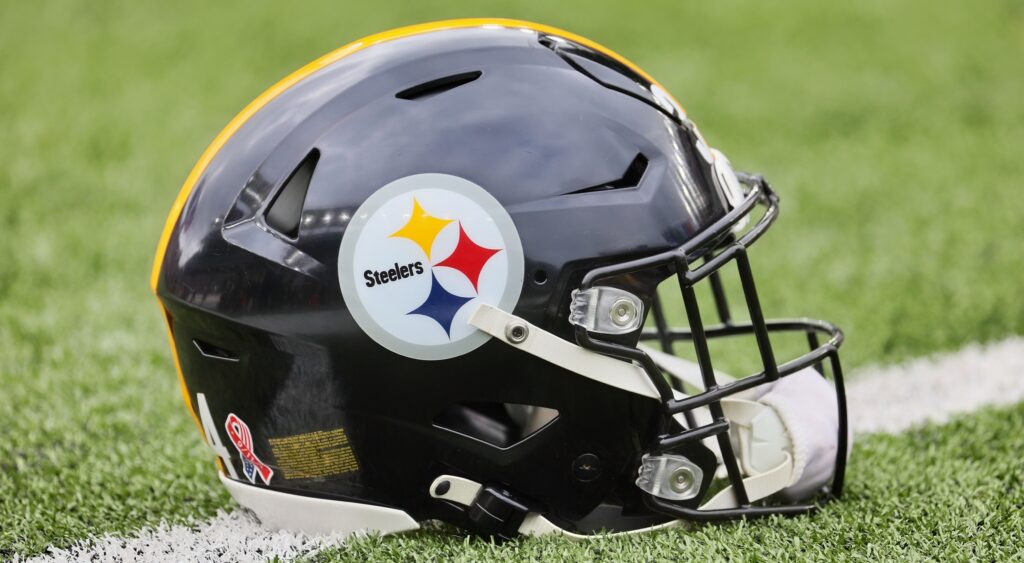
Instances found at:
x=441 y=305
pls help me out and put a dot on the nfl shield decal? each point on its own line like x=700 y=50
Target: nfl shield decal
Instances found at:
x=418 y=256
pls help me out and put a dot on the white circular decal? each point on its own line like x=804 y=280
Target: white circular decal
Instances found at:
x=417 y=257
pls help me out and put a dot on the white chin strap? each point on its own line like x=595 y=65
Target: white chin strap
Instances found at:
x=785 y=434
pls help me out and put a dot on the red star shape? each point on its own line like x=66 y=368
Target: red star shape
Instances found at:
x=468 y=257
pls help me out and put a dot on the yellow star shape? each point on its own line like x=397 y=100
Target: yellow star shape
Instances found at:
x=422 y=227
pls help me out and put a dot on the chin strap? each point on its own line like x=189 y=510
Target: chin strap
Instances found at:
x=465 y=492
x=765 y=423
x=761 y=449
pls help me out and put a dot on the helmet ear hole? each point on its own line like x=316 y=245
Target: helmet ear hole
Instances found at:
x=285 y=211
x=540 y=277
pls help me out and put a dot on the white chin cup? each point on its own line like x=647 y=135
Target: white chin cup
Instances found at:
x=806 y=404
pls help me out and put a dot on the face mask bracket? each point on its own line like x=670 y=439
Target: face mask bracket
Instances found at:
x=671 y=477
x=606 y=310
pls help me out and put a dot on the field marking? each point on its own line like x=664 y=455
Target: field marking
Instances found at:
x=933 y=389
x=881 y=399
x=229 y=536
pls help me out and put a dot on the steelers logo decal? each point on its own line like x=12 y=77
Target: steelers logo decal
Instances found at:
x=419 y=255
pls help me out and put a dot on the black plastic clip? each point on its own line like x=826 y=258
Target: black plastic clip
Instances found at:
x=495 y=513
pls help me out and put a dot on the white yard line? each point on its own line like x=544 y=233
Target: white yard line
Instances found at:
x=894 y=398
x=233 y=536
x=884 y=399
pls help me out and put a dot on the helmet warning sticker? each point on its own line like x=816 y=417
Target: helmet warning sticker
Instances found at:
x=313 y=455
x=419 y=254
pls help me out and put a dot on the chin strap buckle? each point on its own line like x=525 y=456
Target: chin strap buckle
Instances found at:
x=495 y=513
x=492 y=511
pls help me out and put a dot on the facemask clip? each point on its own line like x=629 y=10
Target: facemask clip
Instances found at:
x=606 y=310
x=671 y=477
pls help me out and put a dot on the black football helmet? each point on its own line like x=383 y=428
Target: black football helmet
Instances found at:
x=418 y=279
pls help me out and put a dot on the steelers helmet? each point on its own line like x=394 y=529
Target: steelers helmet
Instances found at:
x=417 y=279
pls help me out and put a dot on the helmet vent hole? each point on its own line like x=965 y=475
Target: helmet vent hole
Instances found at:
x=285 y=210
x=540 y=277
x=630 y=178
x=501 y=425
x=438 y=85
x=214 y=352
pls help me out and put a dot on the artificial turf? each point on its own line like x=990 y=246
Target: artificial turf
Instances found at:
x=892 y=131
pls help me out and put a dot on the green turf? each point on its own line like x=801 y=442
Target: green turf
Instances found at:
x=892 y=130
x=945 y=493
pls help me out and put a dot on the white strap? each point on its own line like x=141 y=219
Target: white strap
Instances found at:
x=460 y=490
x=757 y=486
x=684 y=370
x=762 y=441
x=541 y=343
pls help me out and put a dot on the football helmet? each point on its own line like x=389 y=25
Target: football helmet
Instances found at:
x=418 y=279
